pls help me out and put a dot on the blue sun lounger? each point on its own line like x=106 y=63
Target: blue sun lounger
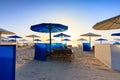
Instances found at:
x=41 y=50
x=86 y=47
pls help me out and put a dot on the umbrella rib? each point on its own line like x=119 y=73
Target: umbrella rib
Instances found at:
x=116 y=21
x=112 y=24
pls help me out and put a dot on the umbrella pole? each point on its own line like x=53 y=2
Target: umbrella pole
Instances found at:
x=61 y=39
x=0 y=38
x=15 y=41
x=90 y=41
x=33 y=40
x=82 y=47
x=100 y=42
x=50 y=39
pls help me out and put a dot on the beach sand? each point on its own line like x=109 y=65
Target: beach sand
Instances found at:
x=84 y=67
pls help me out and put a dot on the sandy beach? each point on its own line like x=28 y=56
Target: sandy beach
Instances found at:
x=84 y=67
x=54 y=24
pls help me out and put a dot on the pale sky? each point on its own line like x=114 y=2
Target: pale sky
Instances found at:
x=80 y=15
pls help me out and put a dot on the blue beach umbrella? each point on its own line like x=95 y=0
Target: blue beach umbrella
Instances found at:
x=115 y=34
x=11 y=40
x=4 y=39
x=101 y=39
x=37 y=40
x=66 y=40
x=15 y=37
x=49 y=28
x=117 y=41
x=62 y=35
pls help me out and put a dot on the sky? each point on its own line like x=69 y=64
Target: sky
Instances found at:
x=80 y=15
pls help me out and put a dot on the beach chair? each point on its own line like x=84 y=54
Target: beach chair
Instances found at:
x=54 y=55
x=57 y=54
x=62 y=54
x=86 y=47
x=69 y=46
x=67 y=53
x=40 y=52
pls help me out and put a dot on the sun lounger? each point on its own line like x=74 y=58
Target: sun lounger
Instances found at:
x=62 y=54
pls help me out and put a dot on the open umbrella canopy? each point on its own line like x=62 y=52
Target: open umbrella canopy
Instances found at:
x=111 y=23
x=37 y=40
x=49 y=28
x=4 y=39
x=117 y=39
x=14 y=36
x=101 y=39
x=11 y=40
x=66 y=40
x=81 y=39
x=90 y=35
x=115 y=34
x=61 y=35
x=3 y=31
